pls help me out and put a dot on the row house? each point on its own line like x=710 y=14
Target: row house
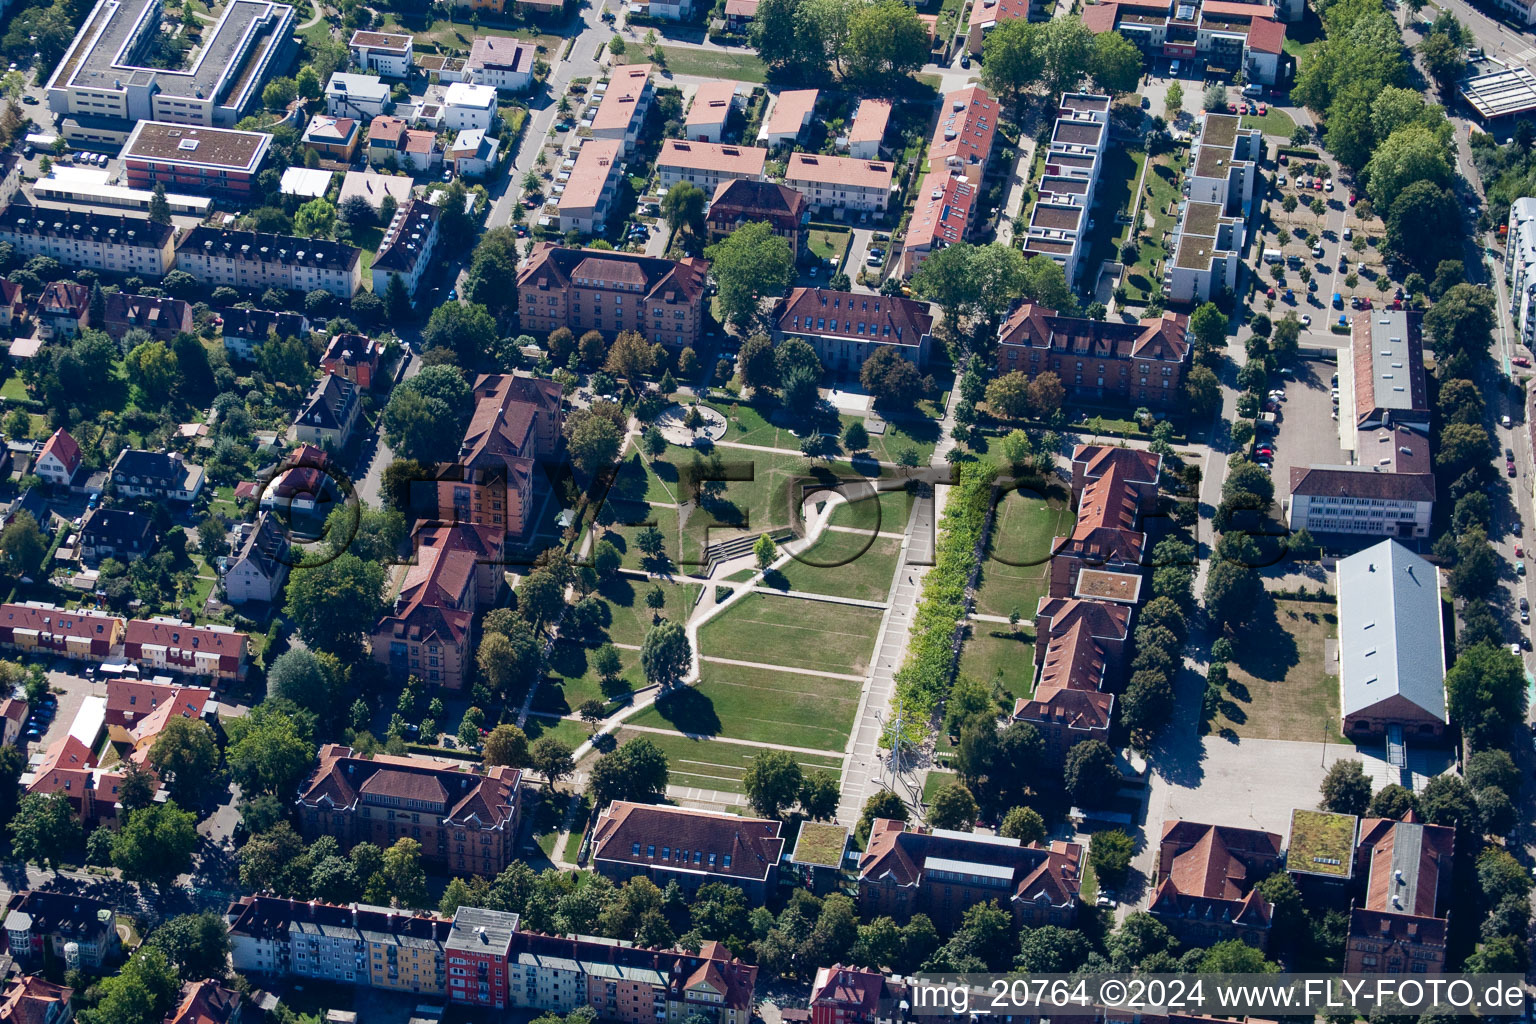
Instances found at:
x=907 y=869
x=1058 y=222
x=43 y=923
x=188 y=158
x=258 y=260
x=388 y=53
x=708 y=164
x=690 y=847
x=710 y=112
x=466 y=822
x=840 y=184
x=621 y=112
x=848 y=995
x=156 y=476
x=479 y=950
x=1400 y=926
x=246 y=330
x=1204 y=890
x=591 y=187
x=107 y=243
x=742 y=201
x=1141 y=363
x=330 y=413
x=609 y=292
x=259 y=566
x=138 y=712
x=163 y=644
x=845 y=328
x=407 y=248
x=355 y=357
x=501 y=62
x=39 y=628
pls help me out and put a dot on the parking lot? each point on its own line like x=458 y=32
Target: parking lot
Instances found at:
x=1308 y=434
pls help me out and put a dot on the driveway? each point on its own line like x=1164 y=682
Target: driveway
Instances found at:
x=857 y=251
x=1308 y=435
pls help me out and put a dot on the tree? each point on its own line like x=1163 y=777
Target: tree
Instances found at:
x=1461 y=321
x=315 y=219
x=593 y=442
x=1346 y=789
x=506 y=745
x=818 y=795
x=1173 y=99
x=43 y=829
x=551 y=759
x=144 y=989
x=1115 y=64
x=1444 y=59
x=1231 y=592
x=1485 y=692
x=424 y=420
x=683 y=207
x=1023 y=824
x=666 y=655
x=1411 y=154
x=466 y=328
x=630 y=357
x=1046 y=394
x=1148 y=700
x=855 y=437
x=196 y=945
x=1012 y=58
x=186 y=756
x=1215 y=97
x=886 y=40
x=893 y=381
x=1045 y=284
x=883 y=804
x=151 y=367
x=749 y=265
x=156 y=844
x=1424 y=225
x=267 y=752
x=279 y=93
x=401 y=881
x=1492 y=768
x=765 y=551
x=1090 y=774
x=953 y=807
x=636 y=770
x=1110 y=854
x=159 y=211
x=23 y=545
x=1208 y=326
x=1234 y=956
x=335 y=605
x=772 y=782
x=1008 y=395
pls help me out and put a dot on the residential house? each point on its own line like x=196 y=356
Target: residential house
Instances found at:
x=78 y=239
x=845 y=328
x=63 y=310
x=329 y=414
x=43 y=923
x=373 y=187
x=206 y=1002
x=1140 y=363
x=429 y=632
x=115 y=533
x=13 y=715
x=159 y=476
x=868 y=129
x=621 y=112
x=591 y=187
x=138 y=712
x=68 y=767
x=59 y=460
x=31 y=999
x=941 y=217
x=607 y=291
x=962 y=141
x=355 y=357
x=986 y=15
x=907 y=869
x=258 y=260
x=386 y=139
x=259 y=566
x=165 y=644
x=360 y=97
x=501 y=62
x=1205 y=890
x=840 y=184
x=42 y=629
x=846 y=995
x=479 y=949
x=333 y=138
x=707 y=164
x=1391 y=646
x=739 y=14
x=1400 y=926
x=465 y=821
x=161 y=316
x=473 y=154
x=791 y=114
x=687 y=846
x=420 y=150
x=1232 y=38
x=406 y=250
x=741 y=201
x=1058 y=222
x=189 y=158
x=388 y=53
x=246 y=330
x=468 y=106
x=710 y=112
x=13 y=306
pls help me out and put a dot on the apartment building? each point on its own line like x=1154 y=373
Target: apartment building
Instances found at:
x=907 y=869
x=791 y=115
x=621 y=112
x=165 y=644
x=743 y=201
x=986 y=15
x=117 y=533
x=1228 y=37
x=479 y=951
x=59 y=460
x=330 y=413
x=1519 y=264
x=39 y=628
x=355 y=357
x=1058 y=222
x=258 y=260
x=466 y=105
x=189 y=158
x=501 y=62
x=941 y=216
x=158 y=476
x=591 y=188
x=106 y=83
x=246 y=330
x=207 y=1002
x=707 y=164
x=43 y=923
x=429 y=631
x=108 y=243
x=1205 y=890
x=1080 y=658
x=69 y=767
x=962 y=140
x=407 y=248
x=840 y=184
x=846 y=995
x=609 y=292
x=360 y=97
x=466 y=822
x=868 y=129
x=1400 y=925
x=162 y=317
x=1142 y=363
x=845 y=328
x=710 y=111
x=255 y=573
x=1207 y=251
x=690 y=847
x=388 y=53
x=1224 y=164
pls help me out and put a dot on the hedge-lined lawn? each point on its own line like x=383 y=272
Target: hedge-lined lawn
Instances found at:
x=570 y=679
x=711 y=765
x=887 y=513
x=853 y=565
x=993 y=648
x=1017 y=573
x=625 y=597
x=829 y=244
x=760 y=705
x=793 y=632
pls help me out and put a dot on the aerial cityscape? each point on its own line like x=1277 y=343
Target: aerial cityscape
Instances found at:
x=646 y=511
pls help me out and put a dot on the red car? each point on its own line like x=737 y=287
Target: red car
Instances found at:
x=1317 y=184
x=1284 y=159
x=1521 y=361
x=1263 y=109
x=1231 y=108
x=1270 y=293
x=1266 y=450
x=1353 y=199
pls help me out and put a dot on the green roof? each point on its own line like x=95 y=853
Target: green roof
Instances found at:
x=820 y=845
x=1322 y=843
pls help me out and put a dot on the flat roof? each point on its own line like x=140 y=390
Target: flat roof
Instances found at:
x=302 y=181
x=968 y=867
x=1220 y=130
x=1501 y=94
x=1103 y=585
x=1322 y=843
x=1056 y=217
x=197 y=146
x=820 y=844
x=381 y=40
x=1202 y=219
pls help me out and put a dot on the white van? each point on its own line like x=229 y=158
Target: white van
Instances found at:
x=1253 y=89
x=1173 y=70
x=1273 y=255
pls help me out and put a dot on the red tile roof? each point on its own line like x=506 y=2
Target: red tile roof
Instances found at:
x=1155 y=338
x=33 y=1000
x=64 y=448
x=1265 y=35
x=942 y=210
x=342 y=781
x=680 y=839
x=967 y=125
x=821 y=312
x=183 y=642
x=205 y=1002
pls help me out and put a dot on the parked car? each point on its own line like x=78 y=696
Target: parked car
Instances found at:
x=1280 y=182
x=1306 y=320
x=1521 y=361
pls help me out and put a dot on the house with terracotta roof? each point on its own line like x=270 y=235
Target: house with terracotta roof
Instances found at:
x=59 y=460
x=868 y=129
x=846 y=995
x=907 y=869
x=1080 y=659
x=1104 y=535
x=63 y=309
x=206 y=1002
x=69 y=767
x=13 y=715
x=465 y=821
x=1142 y=363
x=502 y=62
x=353 y=356
x=986 y=15
x=429 y=633
x=708 y=164
x=1228 y=37
x=1400 y=925
x=36 y=627
x=791 y=114
x=39 y=923
x=744 y=201
x=710 y=111
x=31 y=999
x=845 y=328
x=1139 y=471
x=13 y=306
x=609 y=292
x=621 y=112
x=690 y=847
x=165 y=644
x=163 y=317
x=1204 y=887
x=591 y=187
x=962 y=140
x=840 y=184
x=941 y=217
x=739 y=14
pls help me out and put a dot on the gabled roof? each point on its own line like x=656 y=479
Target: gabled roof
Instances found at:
x=681 y=839
x=670 y=282
x=63 y=447
x=1390 y=640
x=850 y=989
x=342 y=779
x=258 y=324
x=1135 y=464
x=1106 y=520
x=742 y=199
x=114 y=527
x=64 y=297
x=822 y=312
x=1409 y=863
x=901 y=854
x=330 y=403
x=967 y=125
x=1102 y=620
x=34 y=1000
x=942 y=211
x=1157 y=338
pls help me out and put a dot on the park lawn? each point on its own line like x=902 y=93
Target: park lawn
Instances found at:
x=936 y=780
x=640 y=479
x=629 y=522
x=745 y=423
x=631 y=618
x=794 y=633
x=887 y=513
x=1281 y=687
x=1017 y=572
x=760 y=705
x=920 y=433
x=570 y=680
x=708 y=764
x=568 y=731
x=1273 y=121
x=829 y=244
x=741 y=67
x=852 y=565
x=994 y=651
x=1115 y=192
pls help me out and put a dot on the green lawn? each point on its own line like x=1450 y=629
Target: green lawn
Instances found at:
x=793 y=632
x=630 y=617
x=887 y=513
x=853 y=565
x=711 y=765
x=1017 y=574
x=1115 y=192
x=1281 y=688
x=640 y=479
x=1273 y=121
x=741 y=67
x=760 y=705
x=829 y=244
x=570 y=679
x=918 y=433
x=993 y=651
x=629 y=518
x=1160 y=196
x=573 y=734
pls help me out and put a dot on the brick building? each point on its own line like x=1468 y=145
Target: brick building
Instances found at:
x=609 y=292
x=1204 y=887
x=1143 y=363
x=690 y=847
x=188 y=158
x=845 y=328
x=1399 y=927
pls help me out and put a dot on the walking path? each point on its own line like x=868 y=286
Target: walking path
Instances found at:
x=782 y=668
x=866 y=533
x=755 y=744
x=805 y=595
